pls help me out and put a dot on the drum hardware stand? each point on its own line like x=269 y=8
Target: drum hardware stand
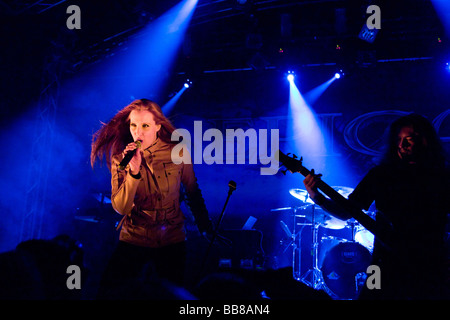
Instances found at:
x=295 y=235
x=289 y=234
x=315 y=274
x=352 y=225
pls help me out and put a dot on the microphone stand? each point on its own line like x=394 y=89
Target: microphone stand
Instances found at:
x=232 y=186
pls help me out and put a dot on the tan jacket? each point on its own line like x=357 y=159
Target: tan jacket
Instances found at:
x=151 y=204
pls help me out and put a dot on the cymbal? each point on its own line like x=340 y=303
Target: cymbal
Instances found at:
x=94 y=219
x=301 y=195
x=282 y=209
x=288 y=208
x=345 y=191
x=321 y=217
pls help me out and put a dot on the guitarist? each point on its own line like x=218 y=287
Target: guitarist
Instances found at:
x=411 y=188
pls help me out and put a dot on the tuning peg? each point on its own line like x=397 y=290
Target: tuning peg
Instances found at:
x=301 y=159
x=295 y=157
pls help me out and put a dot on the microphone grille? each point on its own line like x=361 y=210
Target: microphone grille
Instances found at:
x=138 y=143
x=232 y=184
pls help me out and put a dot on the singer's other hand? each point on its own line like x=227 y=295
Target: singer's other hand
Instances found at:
x=135 y=162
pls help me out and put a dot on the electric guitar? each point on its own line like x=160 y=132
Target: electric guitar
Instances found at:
x=382 y=232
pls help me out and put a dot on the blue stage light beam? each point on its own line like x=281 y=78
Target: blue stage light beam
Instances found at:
x=168 y=107
x=305 y=129
x=442 y=8
x=313 y=95
x=313 y=141
x=142 y=66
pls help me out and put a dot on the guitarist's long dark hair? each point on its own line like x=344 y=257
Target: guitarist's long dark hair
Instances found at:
x=432 y=154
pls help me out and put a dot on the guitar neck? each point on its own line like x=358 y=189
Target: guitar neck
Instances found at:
x=348 y=206
x=355 y=212
x=325 y=188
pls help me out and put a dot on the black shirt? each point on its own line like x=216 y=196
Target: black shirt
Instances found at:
x=415 y=200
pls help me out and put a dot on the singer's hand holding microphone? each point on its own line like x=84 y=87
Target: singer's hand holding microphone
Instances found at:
x=132 y=156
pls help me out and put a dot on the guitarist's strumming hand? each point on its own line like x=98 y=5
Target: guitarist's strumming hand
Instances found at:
x=310 y=184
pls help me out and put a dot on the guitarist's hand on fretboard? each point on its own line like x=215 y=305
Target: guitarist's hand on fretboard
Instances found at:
x=310 y=183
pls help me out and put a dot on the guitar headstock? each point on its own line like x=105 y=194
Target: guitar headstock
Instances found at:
x=292 y=163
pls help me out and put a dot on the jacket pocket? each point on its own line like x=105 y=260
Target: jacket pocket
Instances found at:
x=172 y=172
x=174 y=217
x=135 y=228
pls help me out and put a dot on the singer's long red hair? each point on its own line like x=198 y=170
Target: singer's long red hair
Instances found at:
x=113 y=136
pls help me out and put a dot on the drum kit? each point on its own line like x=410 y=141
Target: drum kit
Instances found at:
x=340 y=250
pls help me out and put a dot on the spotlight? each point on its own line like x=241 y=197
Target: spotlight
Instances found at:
x=187 y=84
x=290 y=76
x=339 y=74
x=447 y=66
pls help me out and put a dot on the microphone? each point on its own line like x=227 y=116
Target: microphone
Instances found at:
x=130 y=154
x=232 y=186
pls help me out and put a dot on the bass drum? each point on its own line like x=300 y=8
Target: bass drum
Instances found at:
x=344 y=269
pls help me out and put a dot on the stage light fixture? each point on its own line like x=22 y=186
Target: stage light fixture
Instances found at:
x=290 y=76
x=447 y=66
x=187 y=84
x=339 y=74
